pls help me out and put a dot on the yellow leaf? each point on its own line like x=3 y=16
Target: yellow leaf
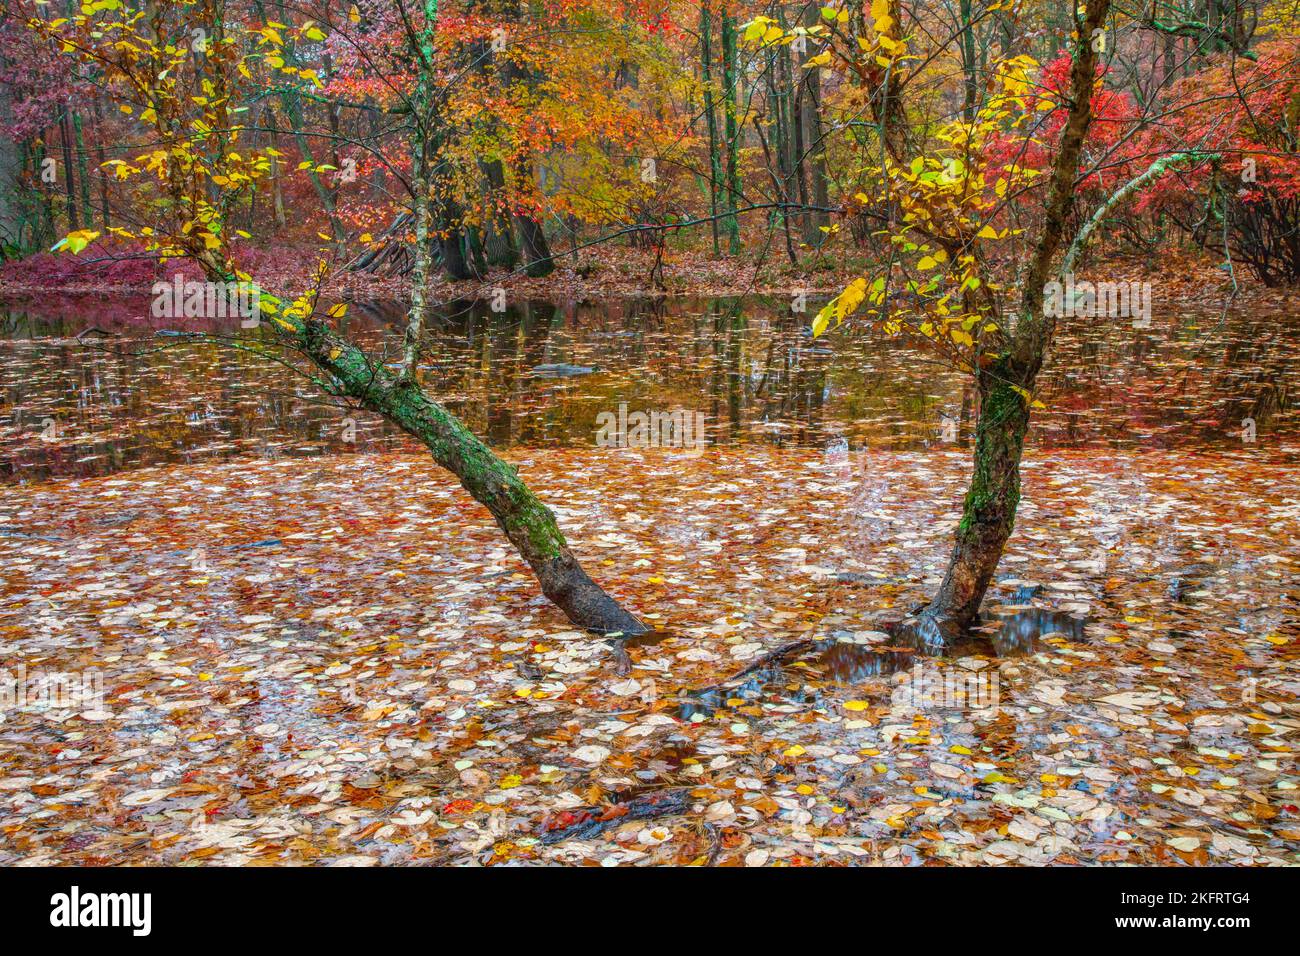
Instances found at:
x=847 y=302
x=822 y=320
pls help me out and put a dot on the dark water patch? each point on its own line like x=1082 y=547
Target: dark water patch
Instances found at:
x=1005 y=633
x=1019 y=632
x=801 y=679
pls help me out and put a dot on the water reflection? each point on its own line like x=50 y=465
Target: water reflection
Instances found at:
x=539 y=374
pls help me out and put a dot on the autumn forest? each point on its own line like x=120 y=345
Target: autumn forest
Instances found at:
x=645 y=433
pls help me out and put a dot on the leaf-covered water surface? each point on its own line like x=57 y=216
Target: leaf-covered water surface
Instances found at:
x=337 y=660
x=311 y=645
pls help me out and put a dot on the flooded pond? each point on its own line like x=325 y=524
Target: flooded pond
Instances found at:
x=542 y=374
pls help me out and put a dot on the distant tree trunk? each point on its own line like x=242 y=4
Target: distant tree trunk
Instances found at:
x=989 y=513
x=43 y=230
x=1169 y=59
x=498 y=232
x=532 y=239
x=102 y=158
x=451 y=238
x=69 y=180
x=813 y=155
x=706 y=78
x=970 y=84
x=731 y=224
x=886 y=100
x=784 y=136
x=13 y=187
x=538 y=261
x=291 y=103
x=83 y=172
x=277 y=193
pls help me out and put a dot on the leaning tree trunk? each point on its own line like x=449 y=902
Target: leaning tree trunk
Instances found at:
x=528 y=523
x=989 y=513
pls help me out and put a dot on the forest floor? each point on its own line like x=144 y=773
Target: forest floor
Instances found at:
x=619 y=271
x=340 y=661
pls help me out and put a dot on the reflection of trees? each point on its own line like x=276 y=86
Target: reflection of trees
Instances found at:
x=750 y=366
x=1196 y=377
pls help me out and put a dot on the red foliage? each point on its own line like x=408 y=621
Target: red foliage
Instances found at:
x=1248 y=113
x=1114 y=116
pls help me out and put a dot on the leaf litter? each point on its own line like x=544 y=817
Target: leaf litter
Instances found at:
x=338 y=661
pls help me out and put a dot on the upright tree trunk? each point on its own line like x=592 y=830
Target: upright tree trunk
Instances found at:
x=989 y=513
x=706 y=79
x=532 y=239
x=69 y=180
x=83 y=172
x=451 y=237
x=498 y=231
x=291 y=103
x=101 y=158
x=13 y=183
x=277 y=193
x=813 y=156
x=729 y=81
x=970 y=69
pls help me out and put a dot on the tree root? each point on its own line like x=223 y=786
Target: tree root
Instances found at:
x=585 y=824
x=778 y=655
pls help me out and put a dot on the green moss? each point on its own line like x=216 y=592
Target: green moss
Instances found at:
x=493 y=482
x=994 y=493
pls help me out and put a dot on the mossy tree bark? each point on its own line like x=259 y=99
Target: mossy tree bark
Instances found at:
x=529 y=524
x=989 y=513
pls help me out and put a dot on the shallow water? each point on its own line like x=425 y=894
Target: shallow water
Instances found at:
x=541 y=374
